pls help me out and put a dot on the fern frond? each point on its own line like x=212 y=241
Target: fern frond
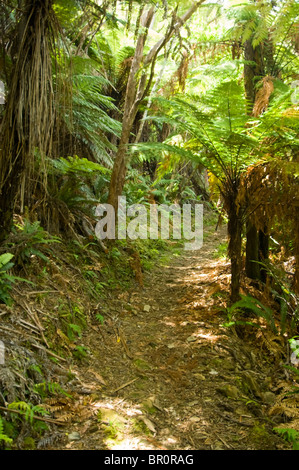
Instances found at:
x=3 y=436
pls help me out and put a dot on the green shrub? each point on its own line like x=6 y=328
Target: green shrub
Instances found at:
x=7 y=279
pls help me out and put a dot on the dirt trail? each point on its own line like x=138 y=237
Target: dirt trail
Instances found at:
x=164 y=374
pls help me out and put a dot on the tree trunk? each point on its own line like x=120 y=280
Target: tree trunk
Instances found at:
x=137 y=89
x=257 y=243
x=119 y=171
x=252 y=71
x=252 y=252
x=263 y=252
x=134 y=93
x=234 y=228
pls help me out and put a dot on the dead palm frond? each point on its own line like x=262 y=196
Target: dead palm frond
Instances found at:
x=29 y=113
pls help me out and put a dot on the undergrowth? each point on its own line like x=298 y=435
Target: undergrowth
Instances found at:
x=50 y=287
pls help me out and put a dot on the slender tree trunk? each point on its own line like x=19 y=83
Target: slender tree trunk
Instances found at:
x=252 y=252
x=252 y=268
x=134 y=94
x=119 y=171
x=137 y=89
x=263 y=252
x=256 y=240
x=234 y=228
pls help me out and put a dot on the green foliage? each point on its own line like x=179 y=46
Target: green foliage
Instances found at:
x=90 y=120
x=140 y=189
x=248 y=303
x=73 y=320
x=50 y=388
x=221 y=251
x=282 y=292
x=277 y=128
x=273 y=26
x=33 y=240
x=113 y=55
x=100 y=318
x=80 y=353
x=213 y=127
x=77 y=166
x=84 y=106
x=290 y=435
x=27 y=410
x=29 y=443
x=73 y=330
x=3 y=437
x=66 y=11
x=7 y=279
x=250 y=22
x=78 y=183
x=137 y=187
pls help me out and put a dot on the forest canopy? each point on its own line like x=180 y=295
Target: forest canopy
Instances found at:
x=134 y=85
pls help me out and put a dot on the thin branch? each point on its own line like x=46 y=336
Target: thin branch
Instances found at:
x=181 y=21
x=47 y=420
x=124 y=385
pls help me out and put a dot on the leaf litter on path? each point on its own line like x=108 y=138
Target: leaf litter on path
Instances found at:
x=180 y=355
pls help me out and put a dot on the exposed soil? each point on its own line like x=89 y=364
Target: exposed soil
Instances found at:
x=163 y=373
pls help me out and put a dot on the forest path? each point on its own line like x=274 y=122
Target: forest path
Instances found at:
x=164 y=373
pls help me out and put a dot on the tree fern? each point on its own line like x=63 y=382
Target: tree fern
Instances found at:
x=278 y=128
x=286 y=21
x=274 y=26
x=213 y=127
x=87 y=113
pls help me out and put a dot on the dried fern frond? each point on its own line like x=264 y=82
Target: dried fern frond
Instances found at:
x=29 y=113
x=263 y=96
x=66 y=409
x=287 y=402
x=50 y=440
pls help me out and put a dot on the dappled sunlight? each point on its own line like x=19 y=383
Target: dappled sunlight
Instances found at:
x=167 y=375
x=133 y=412
x=125 y=426
x=128 y=443
x=170 y=323
x=208 y=336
